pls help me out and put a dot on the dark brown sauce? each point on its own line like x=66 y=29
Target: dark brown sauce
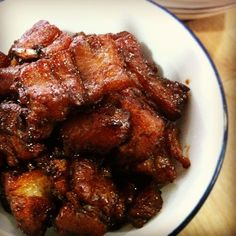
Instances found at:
x=187 y=81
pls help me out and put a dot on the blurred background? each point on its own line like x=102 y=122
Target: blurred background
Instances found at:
x=214 y=23
x=194 y=9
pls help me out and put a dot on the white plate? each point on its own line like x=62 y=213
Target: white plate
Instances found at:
x=181 y=57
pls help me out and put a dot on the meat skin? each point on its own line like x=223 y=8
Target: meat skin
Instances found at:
x=100 y=65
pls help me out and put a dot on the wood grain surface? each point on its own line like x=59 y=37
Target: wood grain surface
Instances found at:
x=218 y=214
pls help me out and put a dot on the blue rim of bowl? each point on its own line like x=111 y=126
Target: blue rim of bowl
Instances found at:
x=225 y=128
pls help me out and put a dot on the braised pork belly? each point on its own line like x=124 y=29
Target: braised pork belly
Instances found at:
x=88 y=132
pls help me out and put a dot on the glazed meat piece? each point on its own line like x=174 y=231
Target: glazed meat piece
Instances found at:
x=87 y=136
x=59 y=44
x=10 y=118
x=175 y=149
x=100 y=65
x=76 y=221
x=14 y=149
x=29 y=46
x=65 y=72
x=159 y=167
x=29 y=197
x=58 y=169
x=128 y=191
x=146 y=205
x=95 y=189
x=170 y=97
x=4 y=60
x=97 y=131
x=49 y=88
x=12 y=143
x=147 y=128
x=42 y=95
x=8 y=77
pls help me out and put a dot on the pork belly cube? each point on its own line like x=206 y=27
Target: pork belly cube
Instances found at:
x=78 y=222
x=147 y=129
x=44 y=91
x=15 y=149
x=29 y=197
x=97 y=131
x=159 y=167
x=8 y=78
x=100 y=65
x=32 y=41
x=146 y=205
x=67 y=75
x=96 y=189
x=49 y=89
x=12 y=144
x=58 y=170
x=42 y=96
x=170 y=97
x=59 y=44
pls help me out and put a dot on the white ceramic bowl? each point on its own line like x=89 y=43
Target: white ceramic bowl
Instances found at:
x=181 y=56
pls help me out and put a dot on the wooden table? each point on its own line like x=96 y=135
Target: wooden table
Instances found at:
x=218 y=214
